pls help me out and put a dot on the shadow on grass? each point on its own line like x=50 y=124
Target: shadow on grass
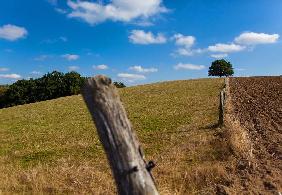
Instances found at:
x=211 y=126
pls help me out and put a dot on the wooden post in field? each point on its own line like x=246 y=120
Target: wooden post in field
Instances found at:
x=222 y=99
x=221 y=108
x=118 y=138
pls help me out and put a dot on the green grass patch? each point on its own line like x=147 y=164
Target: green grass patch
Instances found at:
x=54 y=143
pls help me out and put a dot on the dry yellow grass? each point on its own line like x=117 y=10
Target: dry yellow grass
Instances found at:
x=52 y=146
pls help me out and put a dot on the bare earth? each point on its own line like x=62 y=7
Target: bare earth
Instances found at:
x=257 y=106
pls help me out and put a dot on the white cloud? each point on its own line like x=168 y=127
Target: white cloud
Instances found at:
x=36 y=72
x=41 y=57
x=53 y=2
x=184 y=41
x=10 y=76
x=240 y=69
x=70 y=57
x=143 y=23
x=64 y=39
x=142 y=70
x=184 y=52
x=115 y=10
x=55 y=40
x=12 y=32
x=185 y=44
x=221 y=55
x=226 y=48
x=73 y=68
x=252 y=38
x=145 y=38
x=188 y=52
x=101 y=67
x=4 y=69
x=131 y=77
x=180 y=66
x=61 y=11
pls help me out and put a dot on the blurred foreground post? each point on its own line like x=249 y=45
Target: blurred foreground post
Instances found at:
x=118 y=138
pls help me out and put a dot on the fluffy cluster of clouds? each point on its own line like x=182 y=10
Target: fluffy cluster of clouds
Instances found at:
x=12 y=32
x=143 y=70
x=138 y=75
x=251 y=38
x=181 y=66
x=131 y=78
x=242 y=42
x=73 y=68
x=145 y=38
x=8 y=76
x=70 y=57
x=3 y=69
x=101 y=67
x=115 y=10
x=185 y=43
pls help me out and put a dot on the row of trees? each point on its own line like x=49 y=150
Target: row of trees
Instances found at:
x=50 y=86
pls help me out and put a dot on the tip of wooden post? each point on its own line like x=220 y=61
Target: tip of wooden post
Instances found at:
x=103 y=79
x=98 y=82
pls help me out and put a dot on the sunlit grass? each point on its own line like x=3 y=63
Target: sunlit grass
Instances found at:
x=52 y=146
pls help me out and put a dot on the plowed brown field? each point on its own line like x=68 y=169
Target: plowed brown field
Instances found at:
x=257 y=105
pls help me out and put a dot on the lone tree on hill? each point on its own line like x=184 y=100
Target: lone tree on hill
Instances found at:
x=221 y=68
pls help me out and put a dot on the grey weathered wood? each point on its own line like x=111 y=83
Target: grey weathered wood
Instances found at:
x=118 y=138
x=221 y=108
x=222 y=99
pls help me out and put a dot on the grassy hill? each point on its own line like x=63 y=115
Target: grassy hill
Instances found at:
x=52 y=146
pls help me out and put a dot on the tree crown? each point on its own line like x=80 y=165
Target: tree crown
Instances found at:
x=221 y=68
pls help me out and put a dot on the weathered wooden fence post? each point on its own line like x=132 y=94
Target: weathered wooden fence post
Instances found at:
x=118 y=138
x=222 y=99
x=221 y=108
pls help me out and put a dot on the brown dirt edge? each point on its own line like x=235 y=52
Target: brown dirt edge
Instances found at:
x=236 y=134
x=242 y=166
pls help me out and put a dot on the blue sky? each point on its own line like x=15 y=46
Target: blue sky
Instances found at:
x=139 y=41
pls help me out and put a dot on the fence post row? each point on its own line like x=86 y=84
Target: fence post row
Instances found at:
x=120 y=143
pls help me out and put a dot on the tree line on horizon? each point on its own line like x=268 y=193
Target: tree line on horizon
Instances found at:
x=49 y=86
x=57 y=84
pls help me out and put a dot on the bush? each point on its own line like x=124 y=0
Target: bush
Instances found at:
x=3 y=89
x=50 y=86
x=119 y=84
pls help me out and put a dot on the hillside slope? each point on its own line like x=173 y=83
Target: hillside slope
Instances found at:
x=52 y=146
